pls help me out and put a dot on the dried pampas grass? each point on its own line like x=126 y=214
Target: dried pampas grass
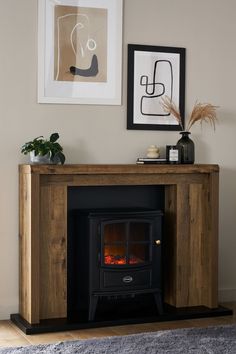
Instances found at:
x=202 y=112
x=169 y=107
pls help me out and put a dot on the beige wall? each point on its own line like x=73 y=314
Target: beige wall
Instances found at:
x=97 y=134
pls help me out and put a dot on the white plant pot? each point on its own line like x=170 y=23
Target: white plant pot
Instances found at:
x=40 y=159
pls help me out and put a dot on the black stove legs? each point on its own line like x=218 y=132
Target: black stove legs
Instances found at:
x=93 y=301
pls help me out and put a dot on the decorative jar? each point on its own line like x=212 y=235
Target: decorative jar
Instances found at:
x=187 y=154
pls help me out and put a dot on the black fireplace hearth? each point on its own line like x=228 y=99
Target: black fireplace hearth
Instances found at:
x=114 y=260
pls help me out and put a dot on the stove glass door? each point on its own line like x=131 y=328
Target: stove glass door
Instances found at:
x=126 y=242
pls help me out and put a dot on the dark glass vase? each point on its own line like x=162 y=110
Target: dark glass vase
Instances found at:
x=186 y=147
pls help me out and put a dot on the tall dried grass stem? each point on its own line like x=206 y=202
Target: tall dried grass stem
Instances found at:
x=202 y=112
x=169 y=107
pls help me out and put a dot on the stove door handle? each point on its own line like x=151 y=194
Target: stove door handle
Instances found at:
x=127 y=279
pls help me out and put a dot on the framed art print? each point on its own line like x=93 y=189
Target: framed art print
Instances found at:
x=79 y=51
x=153 y=73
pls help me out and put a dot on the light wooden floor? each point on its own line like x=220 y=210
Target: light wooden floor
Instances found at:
x=10 y=335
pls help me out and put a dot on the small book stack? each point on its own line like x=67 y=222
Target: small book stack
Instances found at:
x=148 y=160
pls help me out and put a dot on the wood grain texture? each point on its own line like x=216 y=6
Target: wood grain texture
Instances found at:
x=120 y=179
x=192 y=212
x=117 y=169
x=196 y=243
x=169 y=243
x=210 y=250
x=189 y=244
x=182 y=246
x=29 y=247
x=53 y=252
x=191 y=230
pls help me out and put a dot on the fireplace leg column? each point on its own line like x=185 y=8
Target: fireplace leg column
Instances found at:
x=93 y=300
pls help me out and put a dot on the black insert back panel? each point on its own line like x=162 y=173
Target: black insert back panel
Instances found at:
x=116 y=197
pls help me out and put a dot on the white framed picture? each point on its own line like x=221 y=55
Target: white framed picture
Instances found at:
x=80 y=51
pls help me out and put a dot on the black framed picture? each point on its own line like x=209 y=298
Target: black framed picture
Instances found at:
x=153 y=73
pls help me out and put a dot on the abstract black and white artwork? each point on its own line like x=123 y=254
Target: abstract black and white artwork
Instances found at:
x=80 y=51
x=153 y=73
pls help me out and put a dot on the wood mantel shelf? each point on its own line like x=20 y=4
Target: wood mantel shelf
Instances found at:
x=191 y=231
x=74 y=169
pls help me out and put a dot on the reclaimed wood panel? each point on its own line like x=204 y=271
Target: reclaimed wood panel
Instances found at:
x=182 y=245
x=196 y=241
x=120 y=179
x=29 y=247
x=53 y=252
x=210 y=205
x=117 y=169
x=169 y=245
x=186 y=275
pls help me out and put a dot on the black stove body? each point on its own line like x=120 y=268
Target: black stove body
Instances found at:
x=112 y=254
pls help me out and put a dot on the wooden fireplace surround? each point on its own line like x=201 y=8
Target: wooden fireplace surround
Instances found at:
x=191 y=231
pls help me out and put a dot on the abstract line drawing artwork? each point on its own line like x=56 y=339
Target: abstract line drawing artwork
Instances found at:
x=154 y=72
x=156 y=89
x=80 y=49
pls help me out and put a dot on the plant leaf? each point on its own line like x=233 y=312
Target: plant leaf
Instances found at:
x=61 y=157
x=54 y=137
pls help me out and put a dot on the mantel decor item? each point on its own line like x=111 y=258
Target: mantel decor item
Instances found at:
x=187 y=148
x=202 y=112
x=153 y=72
x=80 y=51
x=153 y=152
x=173 y=154
x=43 y=151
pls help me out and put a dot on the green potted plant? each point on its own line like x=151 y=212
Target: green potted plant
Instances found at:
x=44 y=151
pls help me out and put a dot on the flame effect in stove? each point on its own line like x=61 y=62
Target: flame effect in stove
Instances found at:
x=121 y=260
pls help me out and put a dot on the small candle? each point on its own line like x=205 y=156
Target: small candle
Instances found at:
x=173 y=154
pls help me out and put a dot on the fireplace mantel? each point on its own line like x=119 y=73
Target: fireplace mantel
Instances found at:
x=117 y=169
x=191 y=230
